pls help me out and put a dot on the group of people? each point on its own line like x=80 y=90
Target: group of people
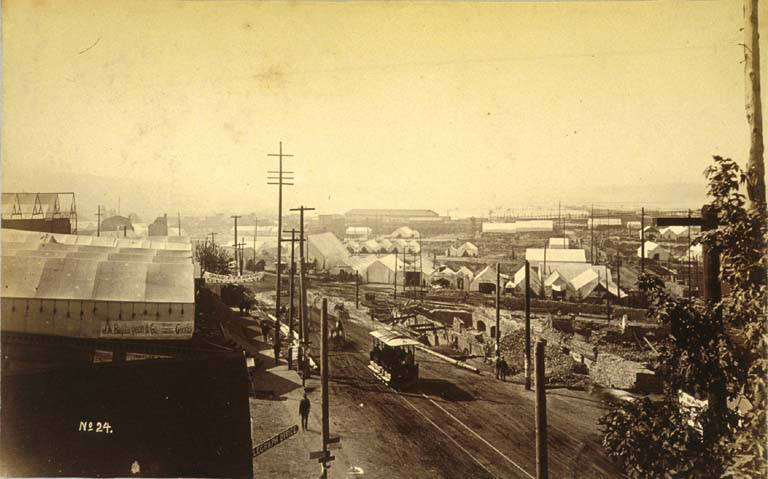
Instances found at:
x=502 y=368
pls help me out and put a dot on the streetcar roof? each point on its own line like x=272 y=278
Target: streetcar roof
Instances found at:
x=393 y=339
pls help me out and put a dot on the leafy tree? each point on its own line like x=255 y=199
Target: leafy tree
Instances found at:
x=211 y=257
x=715 y=352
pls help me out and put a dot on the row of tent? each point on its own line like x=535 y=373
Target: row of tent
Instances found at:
x=660 y=253
x=467 y=250
x=567 y=280
x=669 y=233
x=382 y=246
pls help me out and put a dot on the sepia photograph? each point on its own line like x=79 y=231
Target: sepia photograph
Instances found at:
x=368 y=239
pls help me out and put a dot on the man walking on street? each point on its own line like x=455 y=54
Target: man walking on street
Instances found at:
x=503 y=369
x=304 y=406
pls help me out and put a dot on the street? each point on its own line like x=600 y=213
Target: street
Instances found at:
x=454 y=423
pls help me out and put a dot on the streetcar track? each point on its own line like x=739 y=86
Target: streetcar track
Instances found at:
x=479 y=436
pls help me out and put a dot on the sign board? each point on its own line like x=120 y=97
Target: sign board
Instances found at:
x=147 y=329
x=692 y=408
x=318 y=454
x=274 y=441
x=326 y=459
x=331 y=440
x=334 y=445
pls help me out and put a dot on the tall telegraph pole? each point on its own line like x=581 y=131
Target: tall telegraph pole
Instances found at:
x=304 y=329
x=238 y=262
x=282 y=178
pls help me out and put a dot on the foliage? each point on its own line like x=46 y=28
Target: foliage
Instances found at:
x=714 y=352
x=211 y=257
x=741 y=238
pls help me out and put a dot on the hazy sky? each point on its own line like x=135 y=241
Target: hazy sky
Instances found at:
x=435 y=105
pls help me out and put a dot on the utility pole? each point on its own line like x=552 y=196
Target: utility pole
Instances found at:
x=527 y=325
x=544 y=273
x=592 y=236
x=283 y=178
x=235 y=217
x=324 y=381
x=291 y=310
x=396 y=259
x=541 y=413
x=690 y=293
x=98 y=221
x=304 y=329
x=255 y=230
x=642 y=240
x=712 y=292
x=357 y=290
x=213 y=238
x=755 y=165
x=242 y=254
x=179 y=213
x=498 y=317
x=618 y=278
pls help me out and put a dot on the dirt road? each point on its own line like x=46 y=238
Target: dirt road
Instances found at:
x=454 y=423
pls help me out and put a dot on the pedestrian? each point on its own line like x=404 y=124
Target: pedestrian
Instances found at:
x=503 y=369
x=265 y=332
x=304 y=407
x=276 y=349
x=498 y=367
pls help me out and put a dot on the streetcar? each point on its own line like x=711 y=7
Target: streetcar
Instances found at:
x=393 y=357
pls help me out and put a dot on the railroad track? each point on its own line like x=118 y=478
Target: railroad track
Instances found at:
x=351 y=376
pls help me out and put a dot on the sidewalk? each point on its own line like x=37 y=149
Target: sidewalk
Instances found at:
x=275 y=409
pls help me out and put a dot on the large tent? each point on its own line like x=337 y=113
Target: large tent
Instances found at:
x=370 y=246
x=654 y=251
x=96 y=287
x=443 y=274
x=464 y=277
x=485 y=280
x=384 y=270
x=327 y=251
x=405 y=232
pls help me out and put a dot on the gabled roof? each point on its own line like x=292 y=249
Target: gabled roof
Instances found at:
x=371 y=246
x=327 y=245
x=556 y=255
x=675 y=230
x=444 y=270
x=405 y=232
x=585 y=283
x=466 y=272
x=390 y=261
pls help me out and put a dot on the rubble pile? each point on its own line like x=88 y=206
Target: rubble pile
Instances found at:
x=560 y=367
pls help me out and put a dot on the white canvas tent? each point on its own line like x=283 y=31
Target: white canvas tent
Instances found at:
x=370 y=246
x=405 y=232
x=327 y=251
x=654 y=251
x=464 y=277
x=556 y=255
x=443 y=273
x=583 y=285
x=382 y=270
x=65 y=287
